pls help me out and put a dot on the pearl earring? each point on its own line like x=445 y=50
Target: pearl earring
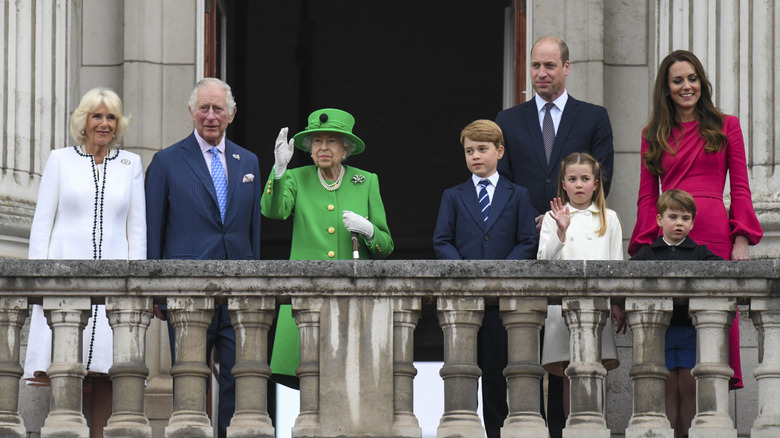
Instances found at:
x=83 y=132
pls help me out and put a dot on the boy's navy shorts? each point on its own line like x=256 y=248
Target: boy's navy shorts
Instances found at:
x=680 y=347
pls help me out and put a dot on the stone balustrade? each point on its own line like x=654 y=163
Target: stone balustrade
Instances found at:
x=357 y=321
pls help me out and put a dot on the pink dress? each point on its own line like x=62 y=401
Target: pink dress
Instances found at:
x=703 y=175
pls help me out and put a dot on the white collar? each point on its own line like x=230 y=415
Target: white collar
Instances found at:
x=591 y=208
x=205 y=147
x=560 y=102
x=492 y=178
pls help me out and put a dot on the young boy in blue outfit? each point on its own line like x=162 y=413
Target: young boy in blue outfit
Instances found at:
x=487 y=217
x=676 y=214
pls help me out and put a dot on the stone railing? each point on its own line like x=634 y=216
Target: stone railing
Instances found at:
x=357 y=321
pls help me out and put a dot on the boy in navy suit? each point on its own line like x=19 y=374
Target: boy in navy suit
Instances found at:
x=487 y=217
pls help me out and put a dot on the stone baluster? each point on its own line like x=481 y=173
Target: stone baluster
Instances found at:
x=406 y=313
x=13 y=311
x=586 y=318
x=67 y=318
x=765 y=313
x=191 y=318
x=712 y=318
x=307 y=312
x=252 y=318
x=129 y=318
x=460 y=320
x=523 y=318
x=648 y=319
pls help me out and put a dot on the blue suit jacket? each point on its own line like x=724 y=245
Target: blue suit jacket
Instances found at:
x=584 y=127
x=509 y=232
x=182 y=215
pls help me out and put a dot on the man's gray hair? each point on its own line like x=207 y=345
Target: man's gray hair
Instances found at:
x=205 y=82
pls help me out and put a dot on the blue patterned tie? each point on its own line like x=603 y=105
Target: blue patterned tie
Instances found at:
x=220 y=181
x=548 y=131
x=484 y=199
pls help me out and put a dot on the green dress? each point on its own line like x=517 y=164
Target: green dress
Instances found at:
x=319 y=234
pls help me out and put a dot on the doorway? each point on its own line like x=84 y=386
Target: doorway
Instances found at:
x=413 y=73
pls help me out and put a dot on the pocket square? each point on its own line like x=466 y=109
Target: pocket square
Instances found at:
x=248 y=178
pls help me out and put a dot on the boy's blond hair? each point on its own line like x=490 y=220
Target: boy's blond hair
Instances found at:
x=482 y=130
x=676 y=200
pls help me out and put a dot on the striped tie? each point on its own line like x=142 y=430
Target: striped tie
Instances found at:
x=484 y=199
x=220 y=181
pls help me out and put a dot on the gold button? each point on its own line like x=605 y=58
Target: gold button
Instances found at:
x=331 y=230
x=268 y=191
x=331 y=254
x=331 y=207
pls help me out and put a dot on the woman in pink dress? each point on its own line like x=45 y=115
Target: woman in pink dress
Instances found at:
x=690 y=145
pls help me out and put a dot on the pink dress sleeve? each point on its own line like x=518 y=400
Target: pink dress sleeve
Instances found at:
x=742 y=217
x=646 y=228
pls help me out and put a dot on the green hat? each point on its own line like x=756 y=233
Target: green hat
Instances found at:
x=330 y=120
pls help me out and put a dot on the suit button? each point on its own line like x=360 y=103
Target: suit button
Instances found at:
x=331 y=230
x=487 y=237
x=547 y=180
x=331 y=207
x=331 y=254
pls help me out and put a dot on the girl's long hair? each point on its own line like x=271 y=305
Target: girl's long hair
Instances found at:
x=598 y=195
x=663 y=118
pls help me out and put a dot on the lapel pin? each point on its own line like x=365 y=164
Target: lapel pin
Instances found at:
x=236 y=156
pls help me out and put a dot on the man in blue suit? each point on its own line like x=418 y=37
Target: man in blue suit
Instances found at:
x=539 y=134
x=203 y=202
x=487 y=217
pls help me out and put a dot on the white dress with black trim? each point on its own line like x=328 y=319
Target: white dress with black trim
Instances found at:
x=85 y=211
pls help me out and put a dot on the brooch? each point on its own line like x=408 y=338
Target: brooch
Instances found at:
x=236 y=156
x=358 y=179
x=125 y=161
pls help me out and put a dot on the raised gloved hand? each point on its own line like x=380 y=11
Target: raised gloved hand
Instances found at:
x=358 y=224
x=283 y=152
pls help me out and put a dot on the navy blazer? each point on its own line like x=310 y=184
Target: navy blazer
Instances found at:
x=182 y=214
x=584 y=127
x=509 y=232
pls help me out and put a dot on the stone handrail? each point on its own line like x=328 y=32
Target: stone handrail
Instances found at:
x=357 y=321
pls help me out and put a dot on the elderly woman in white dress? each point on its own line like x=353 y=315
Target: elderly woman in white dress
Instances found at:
x=91 y=205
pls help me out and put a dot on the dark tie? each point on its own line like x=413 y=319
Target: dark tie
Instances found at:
x=484 y=199
x=220 y=181
x=548 y=131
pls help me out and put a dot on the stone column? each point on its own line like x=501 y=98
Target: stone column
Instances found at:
x=523 y=318
x=191 y=318
x=67 y=318
x=129 y=318
x=406 y=313
x=13 y=311
x=586 y=318
x=765 y=313
x=712 y=318
x=648 y=319
x=460 y=319
x=306 y=312
x=251 y=317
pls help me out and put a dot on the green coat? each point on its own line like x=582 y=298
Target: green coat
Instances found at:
x=318 y=228
x=319 y=234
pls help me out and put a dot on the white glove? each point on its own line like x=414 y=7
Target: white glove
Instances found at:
x=283 y=152
x=358 y=224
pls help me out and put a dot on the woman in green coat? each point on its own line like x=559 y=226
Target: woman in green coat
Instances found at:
x=329 y=202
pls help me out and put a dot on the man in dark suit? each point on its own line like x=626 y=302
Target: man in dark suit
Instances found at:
x=203 y=202
x=538 y=135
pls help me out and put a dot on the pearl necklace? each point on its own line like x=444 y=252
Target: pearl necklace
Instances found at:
x=330 y=186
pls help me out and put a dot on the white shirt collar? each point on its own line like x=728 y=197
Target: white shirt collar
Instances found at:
x=678 y=243
x=492 y=178
x=560 y=102
x=205 y=147
x=592 y=208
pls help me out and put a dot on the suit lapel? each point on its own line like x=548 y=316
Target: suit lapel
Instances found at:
x=500 y=199
x=532 y=124
x=567 y=121
x=233 y=160
x=194 y=158
x=468 y=195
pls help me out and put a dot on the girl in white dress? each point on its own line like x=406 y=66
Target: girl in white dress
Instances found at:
x=579 y=227
x=91 y=205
